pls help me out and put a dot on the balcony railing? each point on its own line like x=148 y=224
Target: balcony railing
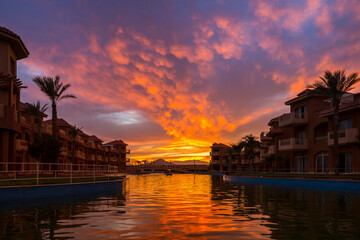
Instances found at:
x=214 y=153
x=293 y=144
x=21 y=145
x=125 y=151
x=272 y=149
x=321 y=139
x=63 y=152
x=345 y=136
x=293 y=118
x=263 y=137
x=9 y=118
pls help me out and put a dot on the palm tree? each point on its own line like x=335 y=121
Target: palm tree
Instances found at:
x=236 y=150
x=333 y=86
x=250 y=146
x=37 y=111
x=73 y=133
x=55 y=92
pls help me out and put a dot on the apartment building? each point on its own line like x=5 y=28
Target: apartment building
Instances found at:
x=12 y=49
x=18 y=126
x=85 y=149
x=304 y=137
x=224 y=159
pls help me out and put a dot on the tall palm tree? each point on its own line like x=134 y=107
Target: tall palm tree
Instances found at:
x=74 y=132
x=251 y=146
x=333 y=86
x=236 y=150
x=37 y=111
x=54 y=89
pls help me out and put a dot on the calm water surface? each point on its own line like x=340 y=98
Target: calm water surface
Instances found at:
x=185 y=206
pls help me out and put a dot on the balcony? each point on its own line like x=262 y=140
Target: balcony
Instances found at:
x=271 y=149
x=63 y=152
x=293 y=119
x=79 y=139
x=345 y=136
x=264 y=152
x=80 y=154
x=214 y=153
x=264 y=138
x=125 y=151
x=293 y=144
x=21 y=145
x=9 y=118
x=91 y=145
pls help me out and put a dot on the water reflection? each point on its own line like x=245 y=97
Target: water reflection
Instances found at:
x=184 y=206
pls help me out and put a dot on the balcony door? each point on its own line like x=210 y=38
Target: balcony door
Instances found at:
x=322 y=162
x=300 y=138
x=299 y=112
x=345 y=161
x=300 y=164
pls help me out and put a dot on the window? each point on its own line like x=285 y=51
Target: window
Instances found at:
x=345 y=124
x=300 y=138
x=300 y=164
x=299 y=112
x=322 y=165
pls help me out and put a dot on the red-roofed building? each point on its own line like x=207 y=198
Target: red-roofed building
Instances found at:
x=304 y=138
x=12 y=49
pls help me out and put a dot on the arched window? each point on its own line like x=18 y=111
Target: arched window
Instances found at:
x=322 y=162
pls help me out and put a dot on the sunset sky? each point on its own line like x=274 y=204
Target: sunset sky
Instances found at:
x=172 y=77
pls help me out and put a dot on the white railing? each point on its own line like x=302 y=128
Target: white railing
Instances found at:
x=293 y=118
x=293 y=144
x=35 y=172
x=345 y=136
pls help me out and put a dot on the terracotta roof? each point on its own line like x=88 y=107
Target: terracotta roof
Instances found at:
x=24 y=106
x=343 y=107
x=60 y=123
x=116 y=142
x=302 y=95
x=15 y=41
x=219 y=145
x=94 y=138
x=276 y=119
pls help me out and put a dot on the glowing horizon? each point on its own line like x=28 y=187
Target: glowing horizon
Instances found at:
x=171 y=78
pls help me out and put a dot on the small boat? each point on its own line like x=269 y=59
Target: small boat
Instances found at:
x=168 y=172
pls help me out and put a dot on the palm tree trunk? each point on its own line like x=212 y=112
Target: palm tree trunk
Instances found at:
x=54 y=121
x=336 y=140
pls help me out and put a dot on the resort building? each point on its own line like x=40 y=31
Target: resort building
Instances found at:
x=302 y=140
x=84 y=149
x=19 y=126
x=12 y=49
x=223 y=158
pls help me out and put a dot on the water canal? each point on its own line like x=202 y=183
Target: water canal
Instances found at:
x=185 y=206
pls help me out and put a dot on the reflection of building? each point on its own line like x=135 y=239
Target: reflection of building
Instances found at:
x=18 y=126
x=304 y=136
x=12 y=49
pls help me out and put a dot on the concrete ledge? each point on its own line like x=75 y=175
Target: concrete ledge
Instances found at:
x=306 y=184
x=58 y=190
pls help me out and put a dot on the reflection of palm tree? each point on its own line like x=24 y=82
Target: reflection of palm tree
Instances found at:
x=55 y=92
x=334 y=86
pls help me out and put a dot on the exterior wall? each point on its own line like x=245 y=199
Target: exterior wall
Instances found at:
x=318 y=129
